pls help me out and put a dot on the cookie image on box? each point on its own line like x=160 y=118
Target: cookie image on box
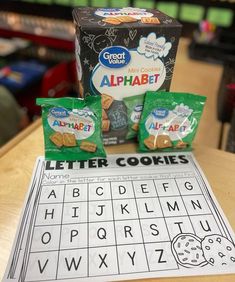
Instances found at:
x=104 y=115
x=126 y=19
x=57 y=139
x=111 y=20
x=218 y=250
x=150 y=142
x=181 y=144
x=105 y=125
x=69 y=140
x=163 y=141
x=106 y=101
x=150 y=20
x=187 y=250
x=135 y=127
x=88 y=146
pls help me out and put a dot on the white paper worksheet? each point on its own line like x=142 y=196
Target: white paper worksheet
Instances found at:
x=124 y=217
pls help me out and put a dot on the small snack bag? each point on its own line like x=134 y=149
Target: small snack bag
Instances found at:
x=72 y=128
x=169 y=121
x=134 y=105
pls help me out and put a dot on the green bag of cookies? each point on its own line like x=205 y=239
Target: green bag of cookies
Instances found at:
x=134 y=105
x=169 y=121
x=72 y=128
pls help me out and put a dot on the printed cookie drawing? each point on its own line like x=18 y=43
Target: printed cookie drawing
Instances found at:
x=218 y=250
x=187 y=250
x=191 y=251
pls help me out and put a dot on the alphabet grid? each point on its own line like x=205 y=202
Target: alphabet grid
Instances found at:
x=115 y=223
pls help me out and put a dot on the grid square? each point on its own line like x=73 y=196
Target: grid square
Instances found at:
x=75 y=212
x=154 y=230
x=188 y=186
x=103 y=261
x=172 y=206
x=74 y=236
x=125 y=209
x=49 y=214
x=72 y=264
x=205 y=225
x=196 y=204
x=100 y=211
x=122 y=190
x=45 y=238
x=166 y=187
x=176 y=225
x=128 y=232
x=149 y=207
x=42 y=266
x=99 y=191
x=144 y=188
x=75 y=192
x=101 y=234
x=160 y=256
x=132 y=258
x=52 y=194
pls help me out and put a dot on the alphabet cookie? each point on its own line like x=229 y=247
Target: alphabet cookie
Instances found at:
x=187 y=250
x=181 y=144
x=218 y=250
x=88 y=146
x=111 y=20
x=135 y=126
x=150 y=142
x=163 y=141
x=104 y=115
x=106 y=101
x=120 y=19
x=57 y=139
x=126 y=19
x=69 y=140
x=148 y=20
x=105 y=125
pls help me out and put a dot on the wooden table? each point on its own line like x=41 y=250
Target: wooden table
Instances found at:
x=18 y=157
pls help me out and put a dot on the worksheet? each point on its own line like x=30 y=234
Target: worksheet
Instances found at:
x=129 y=216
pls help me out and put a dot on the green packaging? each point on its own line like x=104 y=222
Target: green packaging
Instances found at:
x=169 y=121
x=72 y=128
x=134 y=105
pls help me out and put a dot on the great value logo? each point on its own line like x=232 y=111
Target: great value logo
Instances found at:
x=160 y=113
x=138 y=108
x=59 y=112
x=114 y=57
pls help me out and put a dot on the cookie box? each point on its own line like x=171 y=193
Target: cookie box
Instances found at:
x=121 y=53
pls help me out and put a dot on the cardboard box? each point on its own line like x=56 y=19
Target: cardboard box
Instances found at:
x=120 y=53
